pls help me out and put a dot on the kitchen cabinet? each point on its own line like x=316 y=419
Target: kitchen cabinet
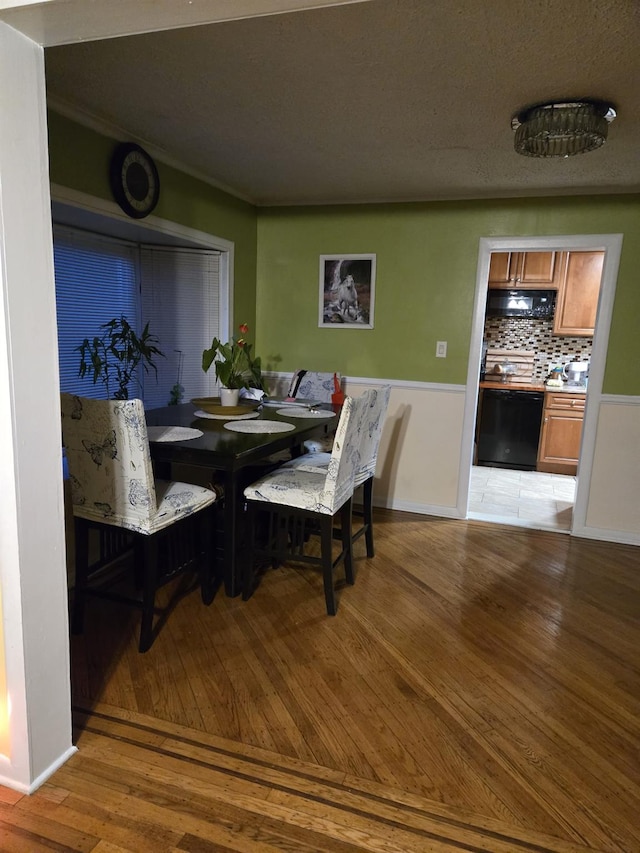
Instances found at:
x=522 y=270
x=577 y=301
x=562 y=418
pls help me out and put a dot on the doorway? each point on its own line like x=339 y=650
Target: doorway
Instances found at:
x=531 y=498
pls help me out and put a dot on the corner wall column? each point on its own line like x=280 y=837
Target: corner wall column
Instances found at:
x=34 y=652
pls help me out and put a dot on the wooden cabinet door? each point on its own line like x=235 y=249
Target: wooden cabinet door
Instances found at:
x=500 y=267
x=538 y=270
x=559 y=447
x=578 y=294
x=524 y=270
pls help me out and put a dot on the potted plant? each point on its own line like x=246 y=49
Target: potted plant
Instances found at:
x=114 y=356
x=234 y=365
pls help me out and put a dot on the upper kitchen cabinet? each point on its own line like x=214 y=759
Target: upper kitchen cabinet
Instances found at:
x=522 y=270
x=578 y=294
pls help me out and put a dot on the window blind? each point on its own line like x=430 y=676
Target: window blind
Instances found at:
x=176 y=290
x=181 y=299
x=96 y=280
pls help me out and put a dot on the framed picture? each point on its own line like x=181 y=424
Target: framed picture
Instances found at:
x=347 y=286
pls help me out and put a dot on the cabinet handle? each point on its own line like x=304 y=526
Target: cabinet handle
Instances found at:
x=546 y=420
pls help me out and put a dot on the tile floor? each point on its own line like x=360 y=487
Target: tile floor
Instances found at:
x=522 y=498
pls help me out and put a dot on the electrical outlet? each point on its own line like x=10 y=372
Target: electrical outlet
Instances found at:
x=441 y=349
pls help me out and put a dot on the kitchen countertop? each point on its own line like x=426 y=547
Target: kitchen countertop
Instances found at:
x=514 y=385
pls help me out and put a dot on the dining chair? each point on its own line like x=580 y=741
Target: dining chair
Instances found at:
x=310 y=385
x=370 y=443
x=120 y=511
x=295 y=502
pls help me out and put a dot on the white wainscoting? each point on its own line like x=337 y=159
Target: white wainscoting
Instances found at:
x=419 y=464
x=612 y=512
x=419 y=457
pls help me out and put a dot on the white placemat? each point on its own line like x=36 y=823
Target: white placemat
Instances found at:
x=304 y=413
x=260 y=426
x=172 y=433
x=202 y=414
x=278 y=402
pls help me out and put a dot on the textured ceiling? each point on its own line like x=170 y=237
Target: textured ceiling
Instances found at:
x=388 y=100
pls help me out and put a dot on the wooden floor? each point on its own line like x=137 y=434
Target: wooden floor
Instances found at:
x=479 y=690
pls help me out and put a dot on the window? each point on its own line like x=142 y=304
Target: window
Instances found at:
x=96 y=280
x=180 y=298
x=176 y=290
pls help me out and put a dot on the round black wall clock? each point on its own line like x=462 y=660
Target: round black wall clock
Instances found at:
x=134 y=180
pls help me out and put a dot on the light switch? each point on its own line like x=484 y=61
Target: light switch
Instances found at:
x=441 y=349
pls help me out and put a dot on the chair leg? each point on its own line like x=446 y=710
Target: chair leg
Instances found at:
x=326 y=538
x=367 y=506
x=206 y=524
x=248 y=573
x=82 y=571
x=346 y=522
x=149 y=552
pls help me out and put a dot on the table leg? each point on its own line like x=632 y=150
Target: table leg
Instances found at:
x=231 y=538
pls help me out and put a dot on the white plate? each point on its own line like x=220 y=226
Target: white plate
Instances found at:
x=172 y=433
x=293 y=412
x=202 y=414
x=260 y=426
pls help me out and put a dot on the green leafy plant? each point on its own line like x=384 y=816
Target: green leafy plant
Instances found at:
x=114 y=356
x=234 y=365
x=177 y=391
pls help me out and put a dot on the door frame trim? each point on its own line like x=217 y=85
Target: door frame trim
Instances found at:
x=611 y=244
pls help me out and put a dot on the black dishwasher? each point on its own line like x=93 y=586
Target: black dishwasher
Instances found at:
x=509 y=429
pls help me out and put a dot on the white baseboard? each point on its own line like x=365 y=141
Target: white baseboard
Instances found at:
x=620 y=537
x=420 y=509
x=7 y=782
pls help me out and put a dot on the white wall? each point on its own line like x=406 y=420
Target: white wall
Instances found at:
x=614 y=497
x=32 y=557
x=419 y=458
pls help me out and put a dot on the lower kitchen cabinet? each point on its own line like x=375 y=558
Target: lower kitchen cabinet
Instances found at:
x=559 y=446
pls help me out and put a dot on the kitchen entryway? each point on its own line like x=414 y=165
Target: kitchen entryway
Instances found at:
x=522 y=498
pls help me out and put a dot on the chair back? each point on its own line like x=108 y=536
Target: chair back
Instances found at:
x=345 y=456
x=109 y=461
x=372 y=432
x=309 y=385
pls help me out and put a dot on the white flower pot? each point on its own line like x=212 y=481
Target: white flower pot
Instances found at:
x=229 y=396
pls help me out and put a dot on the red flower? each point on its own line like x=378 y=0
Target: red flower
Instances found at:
x=241 y=342
x=243 y=328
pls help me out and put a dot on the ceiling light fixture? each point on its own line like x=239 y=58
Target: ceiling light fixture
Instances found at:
x=562 y=128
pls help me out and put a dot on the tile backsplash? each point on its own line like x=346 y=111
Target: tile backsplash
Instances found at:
x=519 y=333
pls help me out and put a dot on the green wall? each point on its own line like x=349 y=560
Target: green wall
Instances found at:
x=426 y=256
x=79 y=159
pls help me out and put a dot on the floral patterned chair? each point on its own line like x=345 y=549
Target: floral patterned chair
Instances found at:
x=370 y=442
x=309 y=385
x=114 y=492
x=297 y=501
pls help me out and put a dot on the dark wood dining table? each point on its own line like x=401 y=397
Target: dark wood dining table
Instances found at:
x=235 y=459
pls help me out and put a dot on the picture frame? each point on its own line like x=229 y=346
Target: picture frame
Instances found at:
x=346 y=291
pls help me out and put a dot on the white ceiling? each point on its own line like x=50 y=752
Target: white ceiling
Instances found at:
x=386 y=100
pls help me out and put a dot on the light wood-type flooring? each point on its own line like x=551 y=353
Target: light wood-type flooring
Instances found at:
x=478 y=691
